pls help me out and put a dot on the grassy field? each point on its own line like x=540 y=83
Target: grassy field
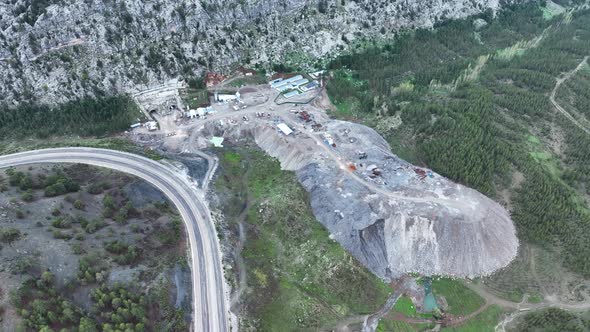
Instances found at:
x=195 y=97
x=248 y=80
x=533 y=139
x=550 y=10
x=299 y=278
x=541 y=155
x=461 y=300
x=405 y=306
x=344 y=110
x=389 y=324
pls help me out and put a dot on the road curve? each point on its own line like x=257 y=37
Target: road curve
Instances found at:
x=209 y=296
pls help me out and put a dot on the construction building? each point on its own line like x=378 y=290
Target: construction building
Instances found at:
x=281 y=83
x=316 y=74
x=309 y=86
x=152 y=125
x=224 y=98
x=291 y=94
x=285 y=129
x=246 y=72
x=217 y=141
x=283 y=88
x=199 y=112
x=297 y=83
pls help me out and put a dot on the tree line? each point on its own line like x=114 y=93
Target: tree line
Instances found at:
x=85 y=117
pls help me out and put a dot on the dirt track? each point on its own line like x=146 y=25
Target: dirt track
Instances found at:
x=556 y=88
x=522 y=307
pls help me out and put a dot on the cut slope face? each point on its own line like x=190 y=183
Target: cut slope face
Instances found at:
x=392 y=216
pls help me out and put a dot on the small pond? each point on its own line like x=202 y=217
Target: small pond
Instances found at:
x=429 y=299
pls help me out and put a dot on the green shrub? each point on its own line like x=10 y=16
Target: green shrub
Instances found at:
x=78 y=204
x=62 y=223
x=120 y=306
x=124 y=254
x=98 y=188
x=27 y=196
x=90 y=268
x=94 y=225
x=61 y=235
x=9 y=235
x=56 y=185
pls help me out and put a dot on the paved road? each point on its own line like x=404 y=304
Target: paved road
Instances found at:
x=210 y=302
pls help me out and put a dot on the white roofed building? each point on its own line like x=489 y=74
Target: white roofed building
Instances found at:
x=220 y=97
x=291 y=94
x=309 y=86
x=285 y=82
x=152 y=125
x=285 y=129
x=297 y=83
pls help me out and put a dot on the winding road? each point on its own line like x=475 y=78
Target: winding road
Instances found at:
x=210 y=302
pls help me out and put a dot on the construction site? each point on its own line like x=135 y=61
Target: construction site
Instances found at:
x=392 y=216
x=395 y=218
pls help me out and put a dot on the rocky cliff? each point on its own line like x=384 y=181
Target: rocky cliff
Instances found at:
x=57 y=50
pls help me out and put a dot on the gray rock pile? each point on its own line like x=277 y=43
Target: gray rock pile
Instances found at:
x=392 y=216
x=428 y=224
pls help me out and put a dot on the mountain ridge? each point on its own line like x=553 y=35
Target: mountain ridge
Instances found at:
x=55 y=51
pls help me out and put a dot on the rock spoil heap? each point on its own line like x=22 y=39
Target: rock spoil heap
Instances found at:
x=392 y=216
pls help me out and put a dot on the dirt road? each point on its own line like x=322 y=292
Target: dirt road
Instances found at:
x=556 y=88
x=522 y=307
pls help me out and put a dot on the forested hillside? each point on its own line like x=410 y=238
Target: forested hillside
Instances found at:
x=474 y=103
x=85 y=117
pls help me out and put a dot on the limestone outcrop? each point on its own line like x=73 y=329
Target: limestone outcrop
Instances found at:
x=54 y=51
